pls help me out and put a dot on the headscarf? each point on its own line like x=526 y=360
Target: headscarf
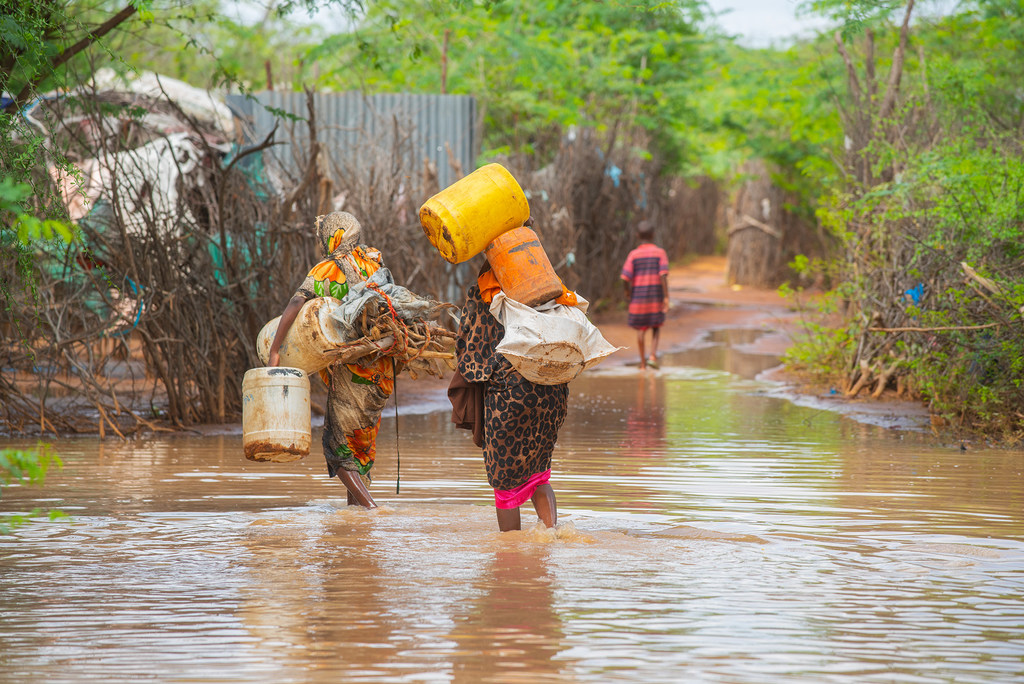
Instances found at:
x=337 y=231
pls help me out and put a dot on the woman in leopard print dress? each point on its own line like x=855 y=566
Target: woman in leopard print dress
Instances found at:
x=521 y=419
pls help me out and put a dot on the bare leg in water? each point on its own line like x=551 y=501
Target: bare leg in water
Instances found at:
x=652 y=361
x=357 y=491
x=543 y=502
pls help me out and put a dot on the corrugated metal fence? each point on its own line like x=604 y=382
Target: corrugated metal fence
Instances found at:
x=437 y=123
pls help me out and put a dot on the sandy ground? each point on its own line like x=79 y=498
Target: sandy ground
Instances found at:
x=702 y=302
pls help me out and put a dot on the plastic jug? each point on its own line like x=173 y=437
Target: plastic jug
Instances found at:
x=463 y=218
x=522 y=267
x=275 y=414
x=307 y=340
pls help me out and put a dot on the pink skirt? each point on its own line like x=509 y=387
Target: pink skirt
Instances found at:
x=514 y=498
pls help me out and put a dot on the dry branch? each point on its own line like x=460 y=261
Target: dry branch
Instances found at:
x=938 y=328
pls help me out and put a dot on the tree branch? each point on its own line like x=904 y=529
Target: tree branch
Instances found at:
x=896 y=70
x=851 y=72
x=940 y=328
x=869 y=64
x=65 y=56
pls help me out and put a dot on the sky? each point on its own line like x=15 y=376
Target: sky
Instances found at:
x=759 y=23
x=756 y=23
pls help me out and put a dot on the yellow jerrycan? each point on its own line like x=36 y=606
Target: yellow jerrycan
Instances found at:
x=461 y=220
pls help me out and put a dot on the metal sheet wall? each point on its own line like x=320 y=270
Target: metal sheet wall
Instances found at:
x=351 y=120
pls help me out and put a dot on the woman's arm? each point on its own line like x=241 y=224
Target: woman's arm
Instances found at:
x=287 y=318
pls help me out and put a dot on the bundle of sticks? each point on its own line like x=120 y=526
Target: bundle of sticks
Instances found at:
x=416 y=345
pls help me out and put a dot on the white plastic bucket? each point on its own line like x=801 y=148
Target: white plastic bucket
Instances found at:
x=275 y=414
x=307 y=340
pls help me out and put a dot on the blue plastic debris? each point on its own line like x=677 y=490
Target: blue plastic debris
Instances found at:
x=614 y=172
x=916 y=294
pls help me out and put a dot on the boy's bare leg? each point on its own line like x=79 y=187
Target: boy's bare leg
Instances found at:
x=544 y=502
x=640 y=343
x=654 y=343
x=508 y=519
x=357 y=491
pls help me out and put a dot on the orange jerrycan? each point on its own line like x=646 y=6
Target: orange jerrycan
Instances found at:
x=522 y=267
x=463 y=218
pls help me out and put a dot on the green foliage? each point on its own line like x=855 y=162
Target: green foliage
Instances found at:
x=26 y=467
x=932 y=249
x=535 y=69
x=776 y=105
x=32 y=36
x=24 y=226
x=822 y=348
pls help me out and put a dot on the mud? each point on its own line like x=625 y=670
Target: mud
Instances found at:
x=273 y=452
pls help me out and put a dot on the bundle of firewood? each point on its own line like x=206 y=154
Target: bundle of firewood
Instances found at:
x=416 y=345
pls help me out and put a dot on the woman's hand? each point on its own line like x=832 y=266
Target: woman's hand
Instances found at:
x=287 y=318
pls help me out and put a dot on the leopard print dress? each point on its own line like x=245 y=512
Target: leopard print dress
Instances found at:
x=521 y=419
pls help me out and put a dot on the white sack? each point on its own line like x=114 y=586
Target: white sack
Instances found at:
x=549 y=345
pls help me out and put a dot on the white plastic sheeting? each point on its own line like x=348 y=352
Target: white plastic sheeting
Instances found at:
x=146 y=189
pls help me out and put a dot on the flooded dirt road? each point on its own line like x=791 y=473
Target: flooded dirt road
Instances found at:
x=711 y=531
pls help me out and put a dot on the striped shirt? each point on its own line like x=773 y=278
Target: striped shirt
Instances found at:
x=644 y=268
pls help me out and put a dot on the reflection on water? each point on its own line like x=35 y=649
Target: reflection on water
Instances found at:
x=710 y=533
x=731 y=350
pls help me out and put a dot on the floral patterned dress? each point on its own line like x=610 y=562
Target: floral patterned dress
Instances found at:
x=356 y=392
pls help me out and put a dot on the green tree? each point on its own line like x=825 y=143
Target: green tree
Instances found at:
x=929 y=211
x=535 y=69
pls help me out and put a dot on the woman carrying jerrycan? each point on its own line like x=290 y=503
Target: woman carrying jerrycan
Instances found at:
x=356 y=391
x=508 y=392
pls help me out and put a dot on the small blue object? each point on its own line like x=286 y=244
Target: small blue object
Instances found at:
x=614 y=172
x=916 y=293
x=570 y=258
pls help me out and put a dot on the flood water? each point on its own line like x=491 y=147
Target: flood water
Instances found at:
x=710 y=531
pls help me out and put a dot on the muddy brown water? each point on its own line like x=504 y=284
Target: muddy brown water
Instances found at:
x=710 y=531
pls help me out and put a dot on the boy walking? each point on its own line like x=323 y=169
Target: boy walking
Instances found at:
x=645 y=277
